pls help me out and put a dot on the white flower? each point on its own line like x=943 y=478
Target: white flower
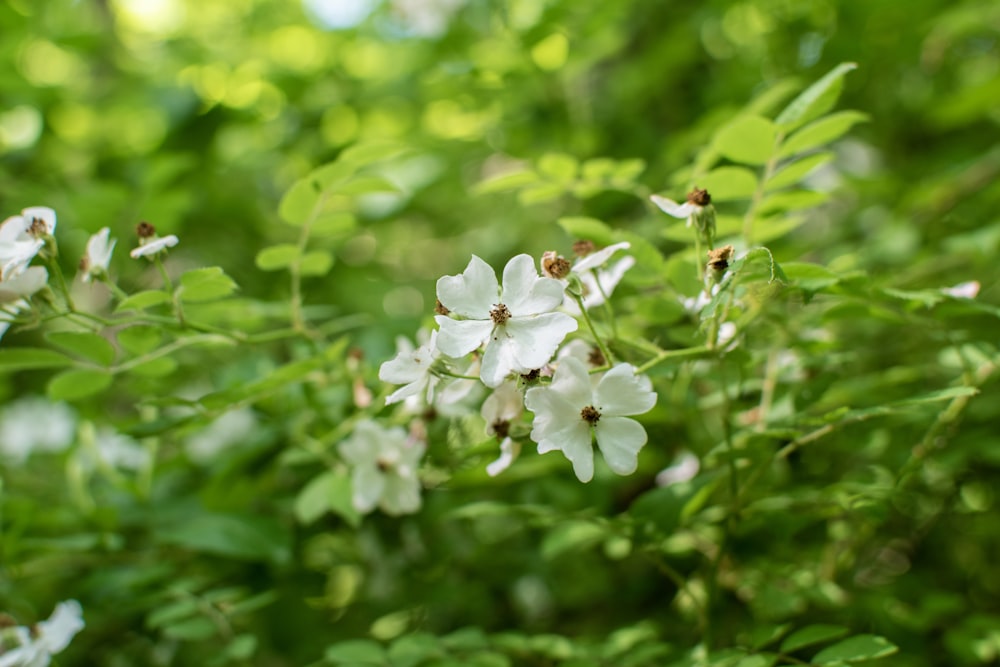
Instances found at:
x=22 y=237
x=685 y=211
x=599 y=283
x=966 y=290
x=37 y=646
x=120 y=451
x=35 y=424
x=385 y=468
x=411 y=368
x=516 y=322
x=98 y=257
x=684 y=468
x=149 y=247
x=500 y=408
x=23 y=284
x=598 y=258
x=231 y=428
x=571 y=408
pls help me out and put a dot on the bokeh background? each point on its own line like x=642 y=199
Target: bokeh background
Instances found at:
x=197 y=115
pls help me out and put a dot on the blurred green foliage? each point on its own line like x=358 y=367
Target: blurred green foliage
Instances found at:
x=200 y=116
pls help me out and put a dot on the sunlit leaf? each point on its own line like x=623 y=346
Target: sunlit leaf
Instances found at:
x=208 y=284
x=77 y=383
x=747 y=140
x=277 y=257
x=821 y=132
x=793 y=172
x=815 y=100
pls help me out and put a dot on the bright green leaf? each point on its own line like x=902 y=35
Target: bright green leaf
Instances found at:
x=297 y=205
x=77 y=383
x=590 y=229
x=821 y=132
x=139 y=339
x=84 y=344
x=791 y=200
x=855 y=649
x=747 y=140
x=330 y=491
x=208 y=284
x=540 y=194
x=316 y=263
x=412 y=650
x=27 y=358
x=143 y=300
x=366 y=184
x=571 y=536
x=729 y=183
x=793 y=172
x=816 y=100
x=195 y=629
x=276 y=257
x=812 y=634
x=558 y=167
x=503 y=182
x=333 y=223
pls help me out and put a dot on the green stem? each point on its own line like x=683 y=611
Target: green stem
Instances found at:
x=668 y=355
x=295 y=268
x=593 y=330
x=61 y=281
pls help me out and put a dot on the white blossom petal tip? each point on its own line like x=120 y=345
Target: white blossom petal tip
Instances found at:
x=154 y=246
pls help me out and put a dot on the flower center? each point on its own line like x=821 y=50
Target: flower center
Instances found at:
x=590 y=415
x=37 y=228
x=499 y=314
x=596 y=358
x=583 y=248
x=384 y=465
x=501 y=427
x=699 y=197
x=145 y=230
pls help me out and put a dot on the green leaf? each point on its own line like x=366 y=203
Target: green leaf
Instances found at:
x=364 y=185
x=748 y=140
x=276 y=257
x=589 y=229
x=815 y=100
x=812 y=634
x=316 y=263
x=77 y=383
x=539 y=194
x=330 y=491
x=856 y=649
x=193 y=630
x=571 y=536
x=791 y=200
x=208 y=284
x=84 y=344
x=729 y=183
x=171 y=612
x=821 y=132
x=333 y=223
x=810 y=277
x=558 y=167
x=412 y=650
x=143 y=300
x=297 y=204
x=504 y=182
x=252 y=538
x=27 y=358
x=356 y=652
x=793 y=172
x=363 y=154
x=139 y=339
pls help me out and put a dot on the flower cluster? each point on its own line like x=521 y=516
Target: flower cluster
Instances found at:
x=32 y=233
x=22 y=646
x=528 y=340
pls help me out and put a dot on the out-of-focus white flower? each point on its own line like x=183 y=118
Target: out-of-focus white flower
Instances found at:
x=966 y=290
x=98 y=257
x=153 y=246
x=120 y=451
x=500 y=409
x=384 y=471
x=411 y=368
x=37 y=646
x=427 y=18
x=515 y=322
x=684 y=468
x=23 y=284
x=35 y=424
x=571 y=410
x=229 y=429
x=586 y=352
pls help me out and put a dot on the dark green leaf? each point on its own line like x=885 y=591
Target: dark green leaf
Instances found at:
x=855 y=649
x=84 y=344
x=28 y=358
x=812 y=634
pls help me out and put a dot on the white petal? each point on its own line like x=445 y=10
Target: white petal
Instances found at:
x=620 y=440
x=16 y=255
x=25 y=284
x=400 y=495
x=558 y=426
x=361 y=448
x=154 y=246
x=473 y=293
x=14 y=228
x=62 y=626
x=525 y=293
x=43 y=213
x=367 y=485
x=536 y=338
x=622 y=392
x=572 y=381
x=967 y=290
x=508 y=452
x=459 y=337
x=670 y=207
x=684 y=468
x=595 y=259
x=499 y=359
x=506 y=403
